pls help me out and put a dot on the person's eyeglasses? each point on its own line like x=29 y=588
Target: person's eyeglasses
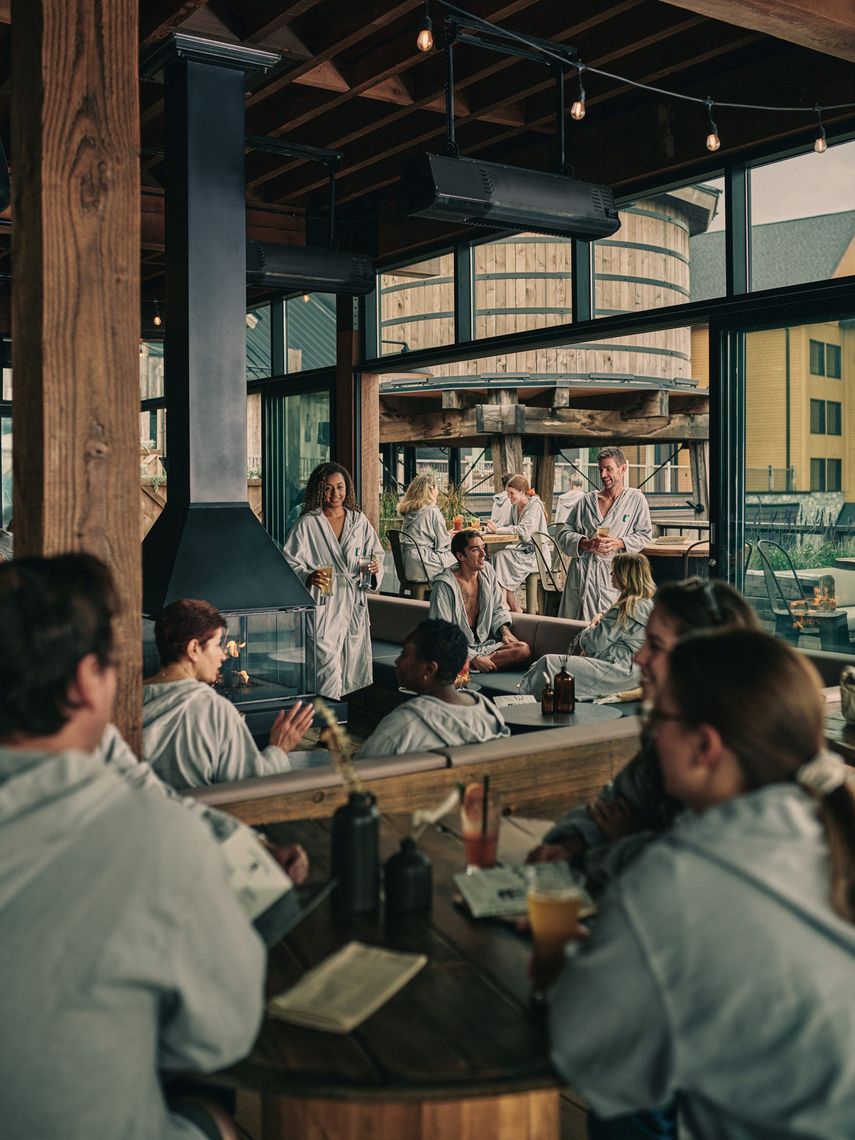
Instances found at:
x=653 y=717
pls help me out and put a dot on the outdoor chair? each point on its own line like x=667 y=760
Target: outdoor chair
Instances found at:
x=418 y=587
x=550 y=584
x=702 y=571
x=789 y=624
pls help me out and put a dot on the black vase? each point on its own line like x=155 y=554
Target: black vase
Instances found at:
x=408 y=880
x=356 y=854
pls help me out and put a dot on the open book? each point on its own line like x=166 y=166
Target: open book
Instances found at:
x=346 y=988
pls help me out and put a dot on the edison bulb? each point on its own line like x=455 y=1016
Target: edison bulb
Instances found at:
x=713 y=141
x=820 y=146
x=577 y=110
x=424 y=42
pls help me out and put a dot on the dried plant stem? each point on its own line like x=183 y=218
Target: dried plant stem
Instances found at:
x=341 y=749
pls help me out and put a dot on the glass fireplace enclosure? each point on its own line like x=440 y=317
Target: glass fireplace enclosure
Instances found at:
x=269 y=657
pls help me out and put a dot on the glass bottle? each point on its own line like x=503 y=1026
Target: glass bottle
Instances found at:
x=565 y=691
x=547 y=699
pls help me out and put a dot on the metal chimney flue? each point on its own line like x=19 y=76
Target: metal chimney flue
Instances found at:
x=207 y=543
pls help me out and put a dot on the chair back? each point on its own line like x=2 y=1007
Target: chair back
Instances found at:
x=687 y=554
x=551 y=584
x=396 y=539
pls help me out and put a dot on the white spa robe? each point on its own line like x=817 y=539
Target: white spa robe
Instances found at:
x=342 y=630
x=717 y=971
x=446 y=602
x=192 y=736
x=7 y=545
x=424 y=532
x=500 y=512
x=515 y=563
x=564 y=503
x=607 y=665
x=124 y=953
x=588 y=589
x=425 y=722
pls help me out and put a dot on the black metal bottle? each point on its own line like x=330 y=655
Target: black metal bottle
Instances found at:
x=408 y=880
x=356 y=854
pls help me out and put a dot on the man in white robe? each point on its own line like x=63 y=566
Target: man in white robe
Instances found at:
x=470 y=597
x=342 y=629
x=620 y=510
x=125 y=954
x=569 y=499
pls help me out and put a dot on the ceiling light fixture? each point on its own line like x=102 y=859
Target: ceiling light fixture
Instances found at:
x=577 y=107
x=157 y=319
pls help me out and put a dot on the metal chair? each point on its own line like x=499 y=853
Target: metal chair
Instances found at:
x=687 y=554
x=550 y=585
x=789 y=624
x=417 y=587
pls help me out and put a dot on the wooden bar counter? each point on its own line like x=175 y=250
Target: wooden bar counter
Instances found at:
x=455 y=1055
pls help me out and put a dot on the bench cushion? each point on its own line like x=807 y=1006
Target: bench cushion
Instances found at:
x=545 y=740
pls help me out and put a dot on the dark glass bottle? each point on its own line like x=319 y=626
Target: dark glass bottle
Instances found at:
x=356 y=854
x=408 y=880
x=565 y=692
x=547 y=699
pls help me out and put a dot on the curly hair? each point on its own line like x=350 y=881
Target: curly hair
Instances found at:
x=441 y=642
x=314 y=499
x=53 y=613
x=181 y=622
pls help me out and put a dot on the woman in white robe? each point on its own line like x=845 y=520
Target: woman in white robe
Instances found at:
x=603 y=661
x=432 y=656
x=515 y=563
x=732 y=937
x=333 y=532
x=192 y=735
x=425 y=541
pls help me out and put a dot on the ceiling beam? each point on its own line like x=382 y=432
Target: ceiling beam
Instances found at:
x=822 y=25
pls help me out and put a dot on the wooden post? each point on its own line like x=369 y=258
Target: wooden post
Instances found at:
x=346 y=357
x=506 y=448
x=76 y=301
x=699 y=459
x=369 y=447
x=543 y=479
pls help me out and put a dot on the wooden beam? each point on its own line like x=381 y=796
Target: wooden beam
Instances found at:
x=630 y=405
x=699 y=460
x=822 y=25
x=76 y=308
x=447 y=426
x=543 y=479
x=369 y=446
x=591 y=424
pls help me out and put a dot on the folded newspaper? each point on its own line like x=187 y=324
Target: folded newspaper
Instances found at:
x=500 y=892
x=346 y=988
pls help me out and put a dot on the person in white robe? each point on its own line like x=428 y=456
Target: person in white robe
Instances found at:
x=515 y=563
x=602 y=661
x=568 y=499
x=125 y=954
x=471 y=598
x=192 y=735
x=732 y=937
x=500 y=511
x=425 y=541
x=334 y=547
x=440 y=715
x=621 y=511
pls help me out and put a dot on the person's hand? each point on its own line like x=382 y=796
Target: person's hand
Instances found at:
x=290 y=727
x=294 y=862
x=373 y=565
x=483 y=664
x=508 y=638
x=568 y=847
x=607 y=545
x=491 y=526
x=614 y=818
x=319 y=578
x=595 y=621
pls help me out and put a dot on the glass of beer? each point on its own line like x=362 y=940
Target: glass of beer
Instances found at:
x=553 y=900
x=325 y=589
x=602 y=532
x=480 y=816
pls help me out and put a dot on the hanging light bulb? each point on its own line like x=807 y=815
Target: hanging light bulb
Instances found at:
x=713 y=141
x=306 y=298
x=820 y=144
x=157 y=319
x=577 y=108
x=424 y=40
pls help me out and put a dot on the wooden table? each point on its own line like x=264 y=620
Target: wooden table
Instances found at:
x=530 y=717
x=493 y=542
x=663 y=559
x=456 y=1055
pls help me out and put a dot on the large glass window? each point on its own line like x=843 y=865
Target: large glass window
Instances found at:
x=803 y=221
x=5 y=469
x=522 y=282
x=296 y=433
x=258 y=343
x=417 y=305
x=310 y=332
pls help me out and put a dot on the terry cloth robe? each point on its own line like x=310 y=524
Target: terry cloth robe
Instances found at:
x=342 y=630
x=124 y=953
x=588 y=589
x=424 y=532
x=607 y=665
x=564 y=502
x=717 y=972
x=426 y=722
x=192 y=736
x=500 y=512
x=515 y=563
x=446 y=602
x=7 y=545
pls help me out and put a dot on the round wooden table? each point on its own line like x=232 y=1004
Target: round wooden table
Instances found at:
x=530 y=716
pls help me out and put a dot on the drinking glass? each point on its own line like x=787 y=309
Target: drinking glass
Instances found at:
x=602 y=532
x=480 y=821
x=326 y=589
x=553 y=900
x=363 y=577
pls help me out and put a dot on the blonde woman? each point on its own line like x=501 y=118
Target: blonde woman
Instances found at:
x=515 y=563
x=423 y=531
x=605 y=649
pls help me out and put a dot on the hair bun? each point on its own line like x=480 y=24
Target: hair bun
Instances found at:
x=824 y=773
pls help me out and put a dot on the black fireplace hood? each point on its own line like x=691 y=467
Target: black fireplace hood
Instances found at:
x=207 y=543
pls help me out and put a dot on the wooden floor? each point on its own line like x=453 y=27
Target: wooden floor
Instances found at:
x=573 y=1116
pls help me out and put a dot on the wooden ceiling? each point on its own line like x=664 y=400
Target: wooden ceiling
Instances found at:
x=351 y=79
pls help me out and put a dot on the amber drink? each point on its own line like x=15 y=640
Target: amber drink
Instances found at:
x=553 y=899
x=480 y=821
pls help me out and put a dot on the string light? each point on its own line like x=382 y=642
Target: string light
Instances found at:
x=157 y=319
x=713 y=141
x=577 y=109
x=306 y=298
x=424 y=41
x=820 y=145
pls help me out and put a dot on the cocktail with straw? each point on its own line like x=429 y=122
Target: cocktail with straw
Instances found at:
x=480 y=814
